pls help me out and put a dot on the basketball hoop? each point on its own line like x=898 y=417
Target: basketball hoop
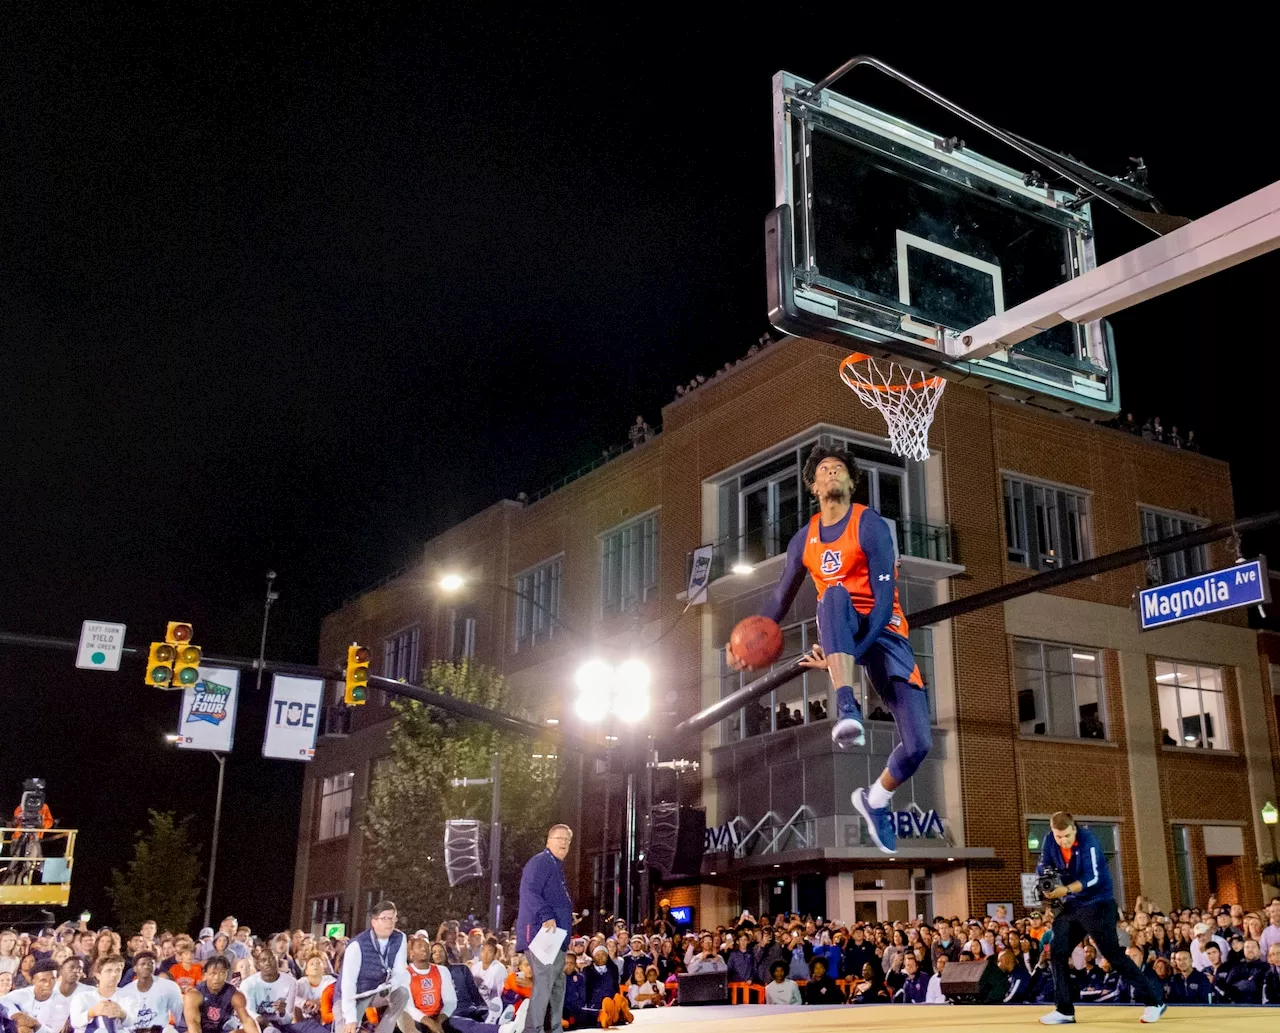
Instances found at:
x=906 y=398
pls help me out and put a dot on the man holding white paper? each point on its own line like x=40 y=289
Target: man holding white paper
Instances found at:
x=542 y=927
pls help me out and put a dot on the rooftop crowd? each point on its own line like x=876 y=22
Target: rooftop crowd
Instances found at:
x=1215 y=955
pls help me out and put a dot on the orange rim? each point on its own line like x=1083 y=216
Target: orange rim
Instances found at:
x=855 y=357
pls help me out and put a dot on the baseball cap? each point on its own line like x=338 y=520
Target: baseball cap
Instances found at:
x=477 y=929
x=664 y=902
x=1201 y=927
x=206 y=933
x=46 y=931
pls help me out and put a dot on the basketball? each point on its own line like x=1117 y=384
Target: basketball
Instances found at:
x=756 y=641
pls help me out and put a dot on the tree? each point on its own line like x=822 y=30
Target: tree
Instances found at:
x=410 y=799
x=162 y=881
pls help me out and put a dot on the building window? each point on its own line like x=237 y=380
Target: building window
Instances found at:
x=629 y=565
x=1046 y=527
x=1108 y=838
x=1059 y=690
x=1182 y=862
x=538 y=602
x=400 y=656
x=462 y=634
x=1158 y=525
x=335 y=805
x=1193 y=705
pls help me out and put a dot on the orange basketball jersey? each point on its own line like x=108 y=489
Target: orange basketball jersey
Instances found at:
x=425 y=987
x=843 y=562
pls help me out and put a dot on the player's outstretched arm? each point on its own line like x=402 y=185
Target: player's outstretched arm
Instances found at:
x=784 y=592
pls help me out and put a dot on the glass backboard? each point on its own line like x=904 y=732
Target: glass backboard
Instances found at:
x=886 y=234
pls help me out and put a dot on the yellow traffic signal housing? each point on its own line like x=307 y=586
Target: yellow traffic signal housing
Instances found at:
x=178 y=633
x=357 y=675
x=186 y=669
x=160 y=665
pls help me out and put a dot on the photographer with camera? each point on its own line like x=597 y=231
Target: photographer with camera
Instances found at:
x=1073 y=870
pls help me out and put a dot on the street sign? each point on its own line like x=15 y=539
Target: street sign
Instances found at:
x=101 y=645
x=1244 y=584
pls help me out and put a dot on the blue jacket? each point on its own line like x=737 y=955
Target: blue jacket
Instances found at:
x=600 y=985
x=1019 y=984
x=543 y=895
x=1191 y=989
x=575 y=994
x=1088 y=866
x=916 y=988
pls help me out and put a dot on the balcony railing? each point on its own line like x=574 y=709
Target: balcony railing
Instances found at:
x=915 y=538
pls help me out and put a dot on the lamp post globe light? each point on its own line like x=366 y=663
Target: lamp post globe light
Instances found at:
x=620 y=690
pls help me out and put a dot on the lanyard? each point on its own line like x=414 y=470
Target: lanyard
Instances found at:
x=384 y=953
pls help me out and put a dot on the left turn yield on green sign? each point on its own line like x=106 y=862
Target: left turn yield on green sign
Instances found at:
x=101 y=646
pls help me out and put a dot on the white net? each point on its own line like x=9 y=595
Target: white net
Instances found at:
x=906 y=398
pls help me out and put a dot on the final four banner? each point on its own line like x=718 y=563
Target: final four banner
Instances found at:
x=293 y=717
x=209 y=711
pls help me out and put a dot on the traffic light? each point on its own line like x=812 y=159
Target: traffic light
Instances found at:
x=160 y=665
x=357 y=674
x=175 y=661
x=186 y=671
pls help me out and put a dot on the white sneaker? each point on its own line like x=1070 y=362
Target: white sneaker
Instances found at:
x=1056 y=1018
x=848 y=731
x=1152 y=1012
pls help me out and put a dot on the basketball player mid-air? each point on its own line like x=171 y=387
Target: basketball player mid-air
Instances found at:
x=848 y=550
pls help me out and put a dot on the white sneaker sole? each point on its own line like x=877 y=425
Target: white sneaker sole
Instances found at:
x=848 y=732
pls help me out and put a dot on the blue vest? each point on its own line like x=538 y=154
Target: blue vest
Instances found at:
x=374 y=971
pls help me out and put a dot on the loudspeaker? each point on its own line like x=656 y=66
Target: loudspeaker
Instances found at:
x=676 y=839
x=462 y=850
x=692 y=841
x=703 y=988
x=664 y=836
x=960 y=978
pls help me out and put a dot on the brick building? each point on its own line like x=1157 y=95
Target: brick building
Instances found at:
x=1163 y=741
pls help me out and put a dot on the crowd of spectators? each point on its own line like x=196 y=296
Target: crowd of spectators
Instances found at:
x=696 y=382
x=1152 y=429
x=1218 y=955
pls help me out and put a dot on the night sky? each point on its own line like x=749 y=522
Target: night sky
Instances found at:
x=291 y=289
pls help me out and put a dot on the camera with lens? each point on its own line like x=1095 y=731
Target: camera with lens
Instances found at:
x=1049 y=880
x=33 y=801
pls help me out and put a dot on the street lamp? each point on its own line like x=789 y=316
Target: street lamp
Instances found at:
x=604 y=689
x=1270 y=815
x=452 y=582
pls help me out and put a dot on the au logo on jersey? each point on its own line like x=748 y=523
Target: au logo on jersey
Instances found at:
x=832 y=560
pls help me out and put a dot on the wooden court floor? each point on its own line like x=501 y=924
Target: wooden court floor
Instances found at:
x=947 y=1019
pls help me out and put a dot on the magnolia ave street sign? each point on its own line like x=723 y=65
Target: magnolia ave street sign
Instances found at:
x=1244 y=584
x=101 y=645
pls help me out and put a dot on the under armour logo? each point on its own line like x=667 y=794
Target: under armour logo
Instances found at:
x=885 y=577
x=813 y=541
